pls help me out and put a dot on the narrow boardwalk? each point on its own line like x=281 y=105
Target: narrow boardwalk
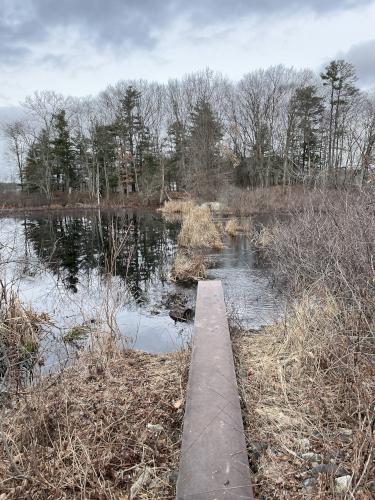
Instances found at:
x=214 y=462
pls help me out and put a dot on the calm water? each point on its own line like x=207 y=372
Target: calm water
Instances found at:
x=111 y=270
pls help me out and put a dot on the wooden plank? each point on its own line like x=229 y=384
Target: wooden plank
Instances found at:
x=214 y=462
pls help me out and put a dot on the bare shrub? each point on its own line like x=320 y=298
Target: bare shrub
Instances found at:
x=272 y=199
x=188 y=267
x=198 y=230
x=312 y=375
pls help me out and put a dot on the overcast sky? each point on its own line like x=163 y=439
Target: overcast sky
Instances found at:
x=79 y=46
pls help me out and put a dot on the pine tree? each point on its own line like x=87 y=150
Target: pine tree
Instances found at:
x=204 y=136
x=63 y=154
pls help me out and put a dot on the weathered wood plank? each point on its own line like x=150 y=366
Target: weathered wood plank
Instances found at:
x=214 y=462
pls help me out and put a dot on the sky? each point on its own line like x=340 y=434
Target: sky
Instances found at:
x=78 y=47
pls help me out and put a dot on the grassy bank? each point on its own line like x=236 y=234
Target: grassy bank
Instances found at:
x=108 y=427
x=307 y=383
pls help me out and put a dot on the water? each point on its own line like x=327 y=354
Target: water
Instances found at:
x=111 y=271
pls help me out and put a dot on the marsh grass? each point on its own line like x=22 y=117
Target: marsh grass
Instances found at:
x=188 y=267
x=94 y=429
x=308 y=382
x=177 y=207
x=20 y=333
x=232 y=227
x=199 y=230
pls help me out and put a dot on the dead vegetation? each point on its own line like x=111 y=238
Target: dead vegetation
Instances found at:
x=199 y=231
x=177 y=207
x=20 y=335
x=107 y=427
x=233 y=227
x=275 y=199
x=188 y=267
x=308 y=382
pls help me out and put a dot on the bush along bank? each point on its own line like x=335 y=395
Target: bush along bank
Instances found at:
x=307 y=383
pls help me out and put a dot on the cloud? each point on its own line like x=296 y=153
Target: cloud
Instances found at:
x=123 y=24
x=362 y=55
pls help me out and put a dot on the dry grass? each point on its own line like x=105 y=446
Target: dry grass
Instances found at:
x=20 y=332
x=272 y=199
x=263 y=238
x=308 y=382
x=232 y=227
x=199 y=231
x=91 y=431
x=177 y=207
x=306 y=390
x=188 y=267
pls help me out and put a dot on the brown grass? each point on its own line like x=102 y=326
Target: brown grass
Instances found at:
x=90 y=431
x=232 y=227
x=20 y=334
x=199 y=231
x=177 y=207
x=188 y=267
x=272 y=199
x=305 y=389
x=308 y=382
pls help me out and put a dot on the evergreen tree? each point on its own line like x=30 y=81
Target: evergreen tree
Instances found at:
x=63 y=154
x=204 y=136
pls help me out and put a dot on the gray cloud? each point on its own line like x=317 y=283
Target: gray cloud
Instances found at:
x=362 y=55
x=127 y=23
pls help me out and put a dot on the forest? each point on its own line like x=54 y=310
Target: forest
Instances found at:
x=275 y=126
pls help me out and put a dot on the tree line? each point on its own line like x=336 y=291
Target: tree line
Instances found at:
x=200 y=133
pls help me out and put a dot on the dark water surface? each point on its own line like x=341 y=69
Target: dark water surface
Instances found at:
x=110 y=271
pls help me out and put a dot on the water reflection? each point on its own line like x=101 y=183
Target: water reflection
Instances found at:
x=137 y=247
x=110 y=270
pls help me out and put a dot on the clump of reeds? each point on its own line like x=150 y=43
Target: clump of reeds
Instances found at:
x=177 y=207
x=188 y=267
x=263 y=238
x=95 y=429
x=232 y=227
x=199 y=230
x=20 y=330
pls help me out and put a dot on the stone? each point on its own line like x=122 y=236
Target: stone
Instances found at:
x=343 y=483
x=312 y=457
x=310 y=482
x=143 y=480
x=332 y=469
x=156 y=428
x=303 y=444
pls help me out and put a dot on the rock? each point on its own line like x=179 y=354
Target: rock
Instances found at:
x=142 y=481
x=331 y=469
x=310 y=482
x=343 y=483
x=303 y=444
x=181 y=314
x=156 y=428
x=216 y=206
x=173 y=476
x=312 y=457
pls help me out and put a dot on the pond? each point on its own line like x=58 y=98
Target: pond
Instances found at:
x=95 y=270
